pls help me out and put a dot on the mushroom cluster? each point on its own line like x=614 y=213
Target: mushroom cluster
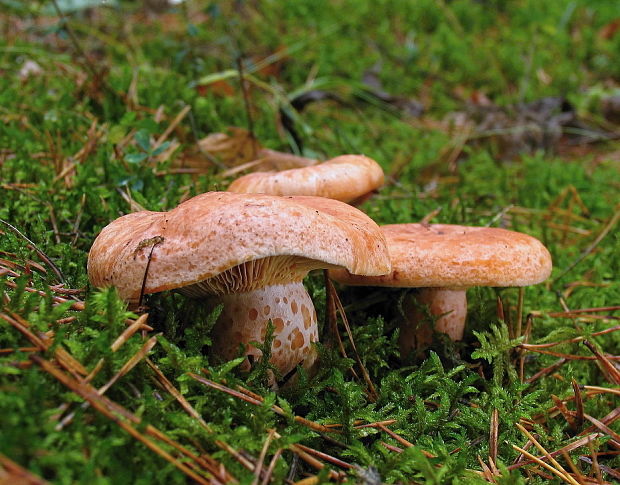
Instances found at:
x=250 y=248
x=441 y=261
x=248 y=252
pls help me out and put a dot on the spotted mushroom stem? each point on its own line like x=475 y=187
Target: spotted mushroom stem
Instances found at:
x=245 y=317
x=447 y=305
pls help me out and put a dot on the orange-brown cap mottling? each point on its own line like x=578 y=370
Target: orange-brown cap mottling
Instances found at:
x=216 y=231
x=343 y=178
x=440 y=255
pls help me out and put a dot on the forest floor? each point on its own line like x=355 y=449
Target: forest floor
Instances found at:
x=483 y=113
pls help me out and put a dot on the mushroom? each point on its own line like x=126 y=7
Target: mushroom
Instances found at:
x=348 y=178
x=249 y=252
x=443 y=261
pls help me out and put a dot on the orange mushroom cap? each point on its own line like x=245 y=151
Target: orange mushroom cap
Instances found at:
x=451 y=256
x=344 y=178
x=216 y=231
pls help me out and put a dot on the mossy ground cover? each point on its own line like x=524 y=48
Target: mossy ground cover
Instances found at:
x=102 y=111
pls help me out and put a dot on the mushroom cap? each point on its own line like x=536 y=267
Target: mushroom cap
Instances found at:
x=216 y=231
x=451 y=256
x=343 y=178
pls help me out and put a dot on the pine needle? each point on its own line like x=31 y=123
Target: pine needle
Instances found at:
x=13 y=474
x=257 y=400
x=105 y=407
x=559 y=470
x=261 y=458
x=609 y=369
x=136 y=325
x=566 y=478
x=493 y=435
x=372 y=392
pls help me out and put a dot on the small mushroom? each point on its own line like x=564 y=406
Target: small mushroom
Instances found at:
x=247 y=251
x=443 y=261
x=347 y=178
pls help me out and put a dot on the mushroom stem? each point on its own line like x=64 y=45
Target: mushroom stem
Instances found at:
x=448 y=308
x=245 y=317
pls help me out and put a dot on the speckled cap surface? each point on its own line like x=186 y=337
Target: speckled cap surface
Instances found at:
x=343 y=178
x=440 y=255
x=216 y=231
